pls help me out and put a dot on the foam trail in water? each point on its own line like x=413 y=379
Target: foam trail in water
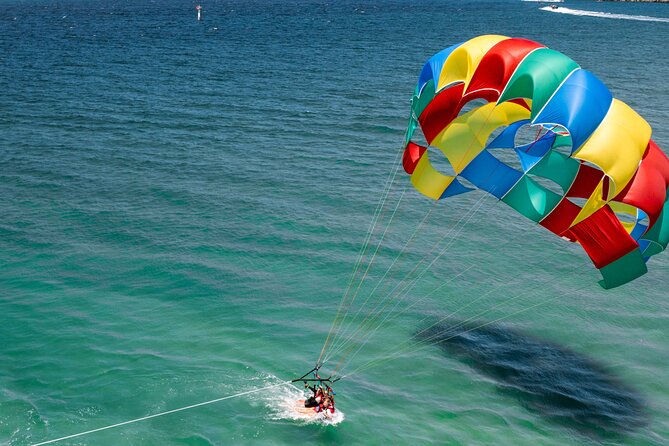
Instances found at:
x=543 y=1
x=606 y=15
x=283 y=403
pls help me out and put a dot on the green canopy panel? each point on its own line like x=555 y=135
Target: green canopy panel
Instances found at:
x=531 y=199
x=623 y=270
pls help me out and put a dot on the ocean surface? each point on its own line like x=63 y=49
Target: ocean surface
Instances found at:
x=183 y=202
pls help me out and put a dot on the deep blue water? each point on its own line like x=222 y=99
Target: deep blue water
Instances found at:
x=182 y=203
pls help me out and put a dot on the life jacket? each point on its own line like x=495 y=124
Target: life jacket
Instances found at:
x=321 y=407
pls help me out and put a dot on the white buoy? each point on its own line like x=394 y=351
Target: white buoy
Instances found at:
x=199 y=12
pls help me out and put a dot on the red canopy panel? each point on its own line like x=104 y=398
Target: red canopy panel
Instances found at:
x=412 y=154
x=441 y=111
x=586 y=181
x=497 y=66
x=446 y=106
x=560 y=218
x=491 y=75
x=648 y=189
x=488 y=95
x=603 y=237
x=563 y=215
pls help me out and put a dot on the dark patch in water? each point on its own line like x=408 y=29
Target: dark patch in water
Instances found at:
x=560 y=385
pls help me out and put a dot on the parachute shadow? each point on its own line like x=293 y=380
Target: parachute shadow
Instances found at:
x=562 y=386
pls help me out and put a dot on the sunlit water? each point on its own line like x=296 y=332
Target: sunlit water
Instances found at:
x=183 y=203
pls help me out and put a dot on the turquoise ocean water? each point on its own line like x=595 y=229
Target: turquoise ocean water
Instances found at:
x=182 y=204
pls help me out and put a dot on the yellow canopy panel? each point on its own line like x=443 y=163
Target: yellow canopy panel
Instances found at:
x=461 y=63
x=467 y=135
x=616 y=147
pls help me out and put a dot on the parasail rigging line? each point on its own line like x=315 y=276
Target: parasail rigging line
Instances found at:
x=409 y=345
x=503 y=303
x=371 y=262
x=406 y=284
x=426 y=343
x=412 y=284
x=389 y=295
x=379 y=209
x=380 y=281
x=392 y=315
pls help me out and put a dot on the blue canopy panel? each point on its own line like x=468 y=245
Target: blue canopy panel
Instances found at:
x=490 y=174
x=643 y=245
x=579 y=105
x=455 y=188
x=638 y=231
x=639 y=228
x=432 y=68
x=506 y=139
x=530 y=154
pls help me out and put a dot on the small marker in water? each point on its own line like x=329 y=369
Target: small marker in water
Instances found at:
x=199 y=12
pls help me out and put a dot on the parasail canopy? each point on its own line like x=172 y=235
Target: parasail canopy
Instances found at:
x=593 y=175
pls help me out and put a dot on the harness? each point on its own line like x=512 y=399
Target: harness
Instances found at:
x=322 y=382
x=317 y=378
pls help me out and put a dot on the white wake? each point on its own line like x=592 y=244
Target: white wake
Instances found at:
x=282 y=404
x=606 y=15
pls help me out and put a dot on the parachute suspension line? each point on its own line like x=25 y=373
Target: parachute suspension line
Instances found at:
x=422 y=344
x=405 y=284
x=470 y=303
x=372 y=226
x=380 y=281
x=390 y=294
x=395 y=316
x=539 y=136
x=136 y=420
x=369 y=265
x=408 y=345
x=396 y=169
x=401 y=296
x=404 y=292
x=410 y=285
x=392 y=315
x=459 y=226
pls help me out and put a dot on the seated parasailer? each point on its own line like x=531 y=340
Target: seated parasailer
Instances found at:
x=322 y=400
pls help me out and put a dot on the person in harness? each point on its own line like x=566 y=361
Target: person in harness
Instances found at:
x=322 y=400
x=315 y=399
x=327 y=407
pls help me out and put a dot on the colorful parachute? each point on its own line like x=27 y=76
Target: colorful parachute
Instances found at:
x=609 y=178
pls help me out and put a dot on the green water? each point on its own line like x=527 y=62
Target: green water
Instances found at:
x=183 y=204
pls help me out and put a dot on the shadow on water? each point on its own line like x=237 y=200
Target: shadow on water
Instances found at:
x=560 y=385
